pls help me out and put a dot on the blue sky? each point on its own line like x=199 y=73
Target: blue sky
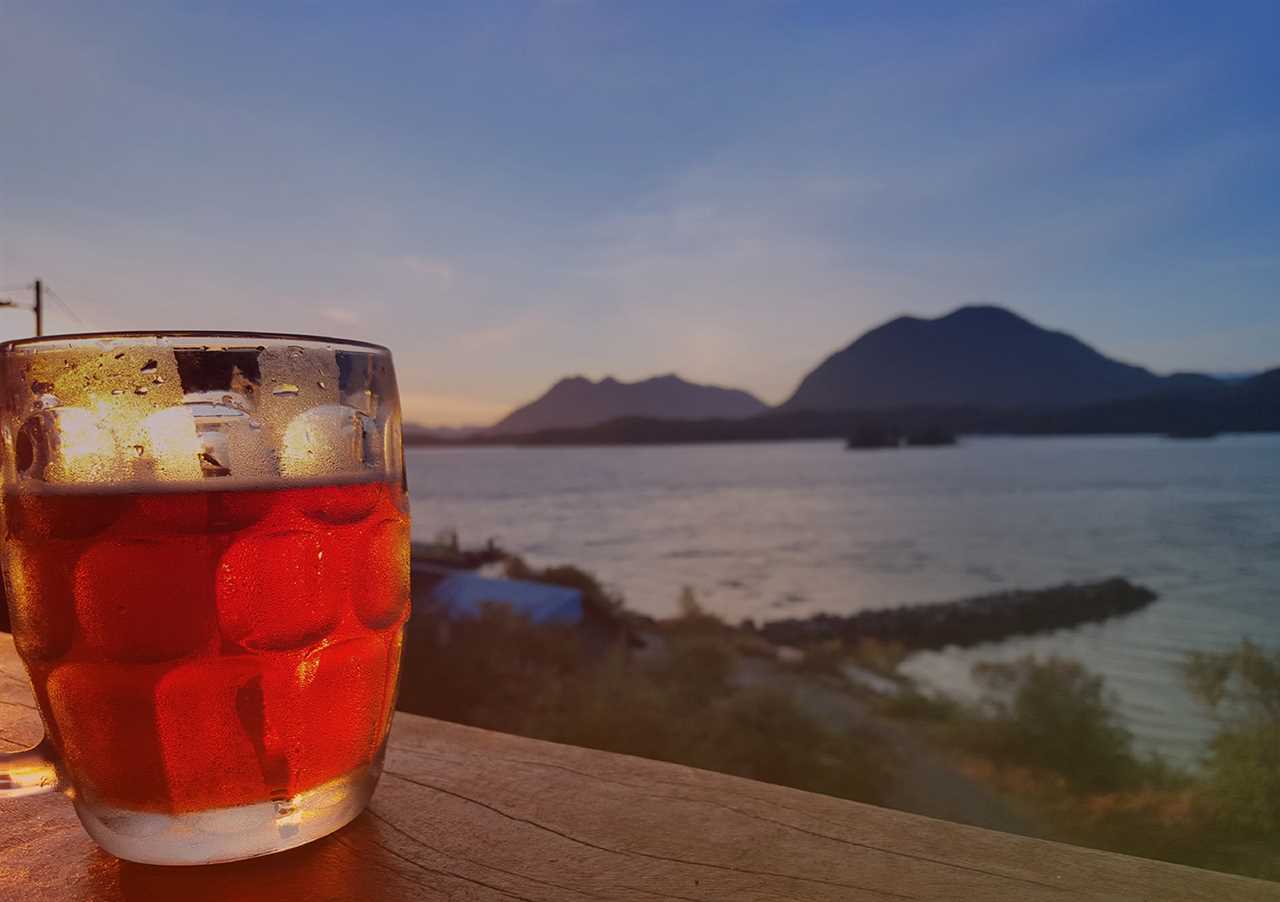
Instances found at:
x=509 y=192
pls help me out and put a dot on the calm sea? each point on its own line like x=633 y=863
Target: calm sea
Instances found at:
x=785 y=529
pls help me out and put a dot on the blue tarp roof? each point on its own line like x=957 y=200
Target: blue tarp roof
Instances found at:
x=461 y=595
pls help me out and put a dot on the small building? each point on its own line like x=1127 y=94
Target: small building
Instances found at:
x=462 y=595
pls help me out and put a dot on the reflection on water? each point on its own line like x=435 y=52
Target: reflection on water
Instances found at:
x=787 y=529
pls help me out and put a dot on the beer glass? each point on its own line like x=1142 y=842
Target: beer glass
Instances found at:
x=206 y=554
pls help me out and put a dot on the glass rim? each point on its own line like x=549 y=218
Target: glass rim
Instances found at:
x=162 y=334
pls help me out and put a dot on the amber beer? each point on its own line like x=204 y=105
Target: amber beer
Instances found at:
x=196 y=650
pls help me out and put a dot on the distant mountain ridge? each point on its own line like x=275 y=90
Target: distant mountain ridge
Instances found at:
x=1178 y=407
x=977 y=355
x=977 y=369
x=578 y=402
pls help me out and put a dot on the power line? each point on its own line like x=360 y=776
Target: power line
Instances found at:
x=65 y=306
x=41 y=289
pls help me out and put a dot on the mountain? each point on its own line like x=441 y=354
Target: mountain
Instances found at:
x=1262 y=389
x=577 y=402
x=1181 y=405
x=978 y=355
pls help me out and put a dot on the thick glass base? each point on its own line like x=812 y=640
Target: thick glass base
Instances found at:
x=230 y=834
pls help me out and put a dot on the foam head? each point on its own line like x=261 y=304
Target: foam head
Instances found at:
x=154 y=412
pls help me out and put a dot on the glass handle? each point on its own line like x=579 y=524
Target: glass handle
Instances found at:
x=29 y=772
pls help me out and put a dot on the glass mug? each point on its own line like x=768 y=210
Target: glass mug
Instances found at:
x=206 y=555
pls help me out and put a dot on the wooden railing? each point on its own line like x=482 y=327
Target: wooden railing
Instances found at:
x=468 y=814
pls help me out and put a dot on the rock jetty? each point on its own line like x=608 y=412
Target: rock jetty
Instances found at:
x=983 y=618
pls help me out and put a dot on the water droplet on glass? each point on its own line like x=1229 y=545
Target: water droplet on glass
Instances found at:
x=141 y=390
x=285 y=390
x=149 y=367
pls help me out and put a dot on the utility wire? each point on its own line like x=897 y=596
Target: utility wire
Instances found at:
x=65 y=306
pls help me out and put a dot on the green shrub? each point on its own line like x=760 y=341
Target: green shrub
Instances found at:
x=1054 y=714
x=593 y=591
x=1242 y=688
x=693 y=618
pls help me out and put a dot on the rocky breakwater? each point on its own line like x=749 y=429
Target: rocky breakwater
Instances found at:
x=983 y=618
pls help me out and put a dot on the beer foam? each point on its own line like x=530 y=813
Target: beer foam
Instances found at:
x=139 y=413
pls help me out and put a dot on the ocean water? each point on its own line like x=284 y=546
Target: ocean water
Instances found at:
x=787 y=529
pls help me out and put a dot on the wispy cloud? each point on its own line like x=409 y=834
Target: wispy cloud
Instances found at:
x=652 y=188
x=340 y=316
x=432 y=271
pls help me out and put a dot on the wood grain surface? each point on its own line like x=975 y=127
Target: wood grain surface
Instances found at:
x=473 y=815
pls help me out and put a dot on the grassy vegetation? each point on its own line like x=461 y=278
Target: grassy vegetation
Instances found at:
x=912 y=704
x=675 y=702
x=1054 y=715
x=1046 y=731
x=830 y=656
x=1242 y=688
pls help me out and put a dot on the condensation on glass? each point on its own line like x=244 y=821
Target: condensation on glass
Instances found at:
x=206 y=556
